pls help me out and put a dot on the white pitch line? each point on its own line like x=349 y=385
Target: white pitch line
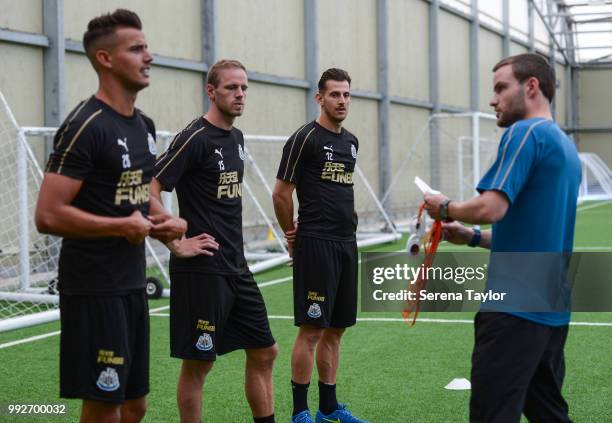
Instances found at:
x=57 y=332
x=424 y=320
x=592 y=206
x=590 y=324
x=155 y=313
x=287 y=279
x=30 y=339
x=274 y=282
x=427 y=320
x=152 y=312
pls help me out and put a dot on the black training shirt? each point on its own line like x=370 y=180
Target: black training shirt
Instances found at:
x=205 y=165
x=321 y=164
x=114 y=156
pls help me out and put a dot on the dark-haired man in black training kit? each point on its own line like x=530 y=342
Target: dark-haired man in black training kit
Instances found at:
x=318 y=162
x=215 y=304
x=95 y=194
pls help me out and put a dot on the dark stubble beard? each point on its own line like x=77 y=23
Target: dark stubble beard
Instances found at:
x=331 y=117
x=516 y=111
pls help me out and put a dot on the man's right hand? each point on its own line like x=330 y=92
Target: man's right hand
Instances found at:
x=137 y=228
x=197 y=245
x=167 y=227
x=456 y=233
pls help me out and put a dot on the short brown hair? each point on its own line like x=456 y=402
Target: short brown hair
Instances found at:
x=525 y=66
x=335 y=74
x=107 y=24
x=212 y=76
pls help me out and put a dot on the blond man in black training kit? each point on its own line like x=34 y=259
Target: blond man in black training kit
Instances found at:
x=318 y=162
x=215 y=304
x=95 y=194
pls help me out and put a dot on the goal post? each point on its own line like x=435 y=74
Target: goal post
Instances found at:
x=29 y=260
x=596 y=184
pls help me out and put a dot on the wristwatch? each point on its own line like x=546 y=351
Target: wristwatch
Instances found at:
x=444 y=211
x=475 y=241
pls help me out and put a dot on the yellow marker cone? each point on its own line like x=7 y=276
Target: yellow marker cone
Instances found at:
x=270 y=236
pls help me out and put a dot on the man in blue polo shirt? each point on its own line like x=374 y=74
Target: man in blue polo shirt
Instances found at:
x=529 y=195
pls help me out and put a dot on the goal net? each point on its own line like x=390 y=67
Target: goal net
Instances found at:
x=596 y=182
x=29 y=260
x=264 y=154
x=451 y=153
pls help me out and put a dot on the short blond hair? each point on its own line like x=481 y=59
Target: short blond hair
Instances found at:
x=212 y=76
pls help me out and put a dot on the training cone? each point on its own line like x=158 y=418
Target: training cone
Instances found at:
x=459 y=384
x=270 y=236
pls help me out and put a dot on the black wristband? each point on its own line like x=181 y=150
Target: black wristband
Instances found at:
x=444 y=211
x=475 y=241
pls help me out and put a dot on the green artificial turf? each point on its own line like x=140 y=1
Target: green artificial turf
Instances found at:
x=389 y=372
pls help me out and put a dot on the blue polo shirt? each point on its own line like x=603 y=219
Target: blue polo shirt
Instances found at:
x=538 y=169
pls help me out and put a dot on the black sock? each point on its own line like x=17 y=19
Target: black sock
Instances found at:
x=300 y=396
x=327 y=398
x=269 y=419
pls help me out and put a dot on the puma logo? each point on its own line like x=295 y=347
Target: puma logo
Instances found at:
x=123 y=143
x=328 y=148
x=218 y=151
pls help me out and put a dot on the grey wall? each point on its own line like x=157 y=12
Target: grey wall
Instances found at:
x=396 y=84
x=595 y=113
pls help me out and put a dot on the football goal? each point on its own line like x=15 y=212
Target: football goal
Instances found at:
x=29 y=260
x=596 y=182
x=451 y=152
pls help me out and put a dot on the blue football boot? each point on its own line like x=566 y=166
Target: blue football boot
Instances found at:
x=341 y=415
x=302 y=417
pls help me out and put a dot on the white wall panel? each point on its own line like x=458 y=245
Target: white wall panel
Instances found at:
x=560 y=94
x=172 y=99
x=347 y=39
x=454 y=60
x=273 y=110
x=172 y=29
x=266 y=35
x=517 y=49
x=21 y=82
x=595 y=92
x=22 y=15
x=490 y=54
x=409 y=49
x=363 y=122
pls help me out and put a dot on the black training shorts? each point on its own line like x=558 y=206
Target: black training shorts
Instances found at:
x=325 y=282
x=212 y=314
x=104 y=347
